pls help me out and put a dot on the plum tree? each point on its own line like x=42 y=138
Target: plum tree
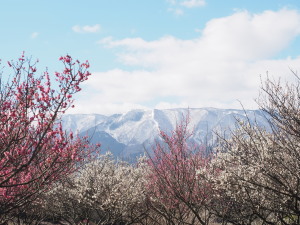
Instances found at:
x=34 y=149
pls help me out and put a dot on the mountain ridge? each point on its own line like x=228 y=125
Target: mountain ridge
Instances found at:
x=128 y=134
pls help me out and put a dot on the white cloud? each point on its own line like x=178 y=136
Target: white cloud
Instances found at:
x=193 y=3
x=176 y=11
x=217 y=69
x=172 y=2
x=86 y=29
x=34 y=35
x=177 y=6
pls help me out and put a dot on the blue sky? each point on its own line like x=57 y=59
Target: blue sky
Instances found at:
x=159 y=53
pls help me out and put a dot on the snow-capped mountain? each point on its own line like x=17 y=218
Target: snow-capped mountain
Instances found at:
x=129 y=134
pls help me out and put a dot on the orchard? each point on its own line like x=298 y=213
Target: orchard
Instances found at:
x=51 y=175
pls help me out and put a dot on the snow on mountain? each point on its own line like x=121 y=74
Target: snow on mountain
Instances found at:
x=82 y=122
x=130 y=133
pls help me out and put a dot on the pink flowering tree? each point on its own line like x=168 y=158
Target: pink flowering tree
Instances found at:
x=178 y=188
x=34 y=149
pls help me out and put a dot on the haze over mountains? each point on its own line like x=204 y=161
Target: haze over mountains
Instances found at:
x=128 y=135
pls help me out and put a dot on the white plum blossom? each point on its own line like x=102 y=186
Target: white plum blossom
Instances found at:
x=103 y=191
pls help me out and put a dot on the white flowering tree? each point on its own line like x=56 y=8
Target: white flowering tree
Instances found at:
x=103 y=192
x=259 y=179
